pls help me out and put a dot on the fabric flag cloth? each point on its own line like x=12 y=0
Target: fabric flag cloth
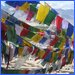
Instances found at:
x=30 y=35
x=55 y=56
x=64 y=24
x=62 y=44
x=26 y=43
x=42 y=13
x=24 y=7
x=20 y=51
x=36 y=38
x=3 y=31
x=59 y=42
x=32 y=11
x=69 y=30
x=43 y=40
x=34 y=51
x=19 y=40
x=33 y=7
x=25 y=25
x=53 y=42
x=48 y=57
x=63 y=61
x=11 y=34
x=53 y=10
x=8 y=22
x=50 y=17
x=3 y=20
x=46 y=53
x=30 y=15
x=41 y=53
x=58 y=22
x=21 y=31
x=14 y=20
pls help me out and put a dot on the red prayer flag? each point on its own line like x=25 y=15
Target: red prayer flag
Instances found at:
x=35 y=50
x=30 y=15
x=25 y=25
x=58 y=22
x=24 y=32
x=46 y=53
x=54 y=41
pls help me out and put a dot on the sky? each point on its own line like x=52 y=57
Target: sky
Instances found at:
x=60 y=4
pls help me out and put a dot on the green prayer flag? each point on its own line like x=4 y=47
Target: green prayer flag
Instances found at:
x=11 y=34
x=59 y=42
x=49 y=18
x=33 y=7
x=30 y=35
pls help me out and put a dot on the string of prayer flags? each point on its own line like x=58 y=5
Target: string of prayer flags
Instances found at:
x=31 y=28
x=23 y=31
x=42 y=13
x=49 y=18
x=58 y=37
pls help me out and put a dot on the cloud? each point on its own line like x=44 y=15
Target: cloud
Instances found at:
x=60 y=4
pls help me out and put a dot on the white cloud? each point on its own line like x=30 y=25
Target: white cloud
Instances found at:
x=60 y=4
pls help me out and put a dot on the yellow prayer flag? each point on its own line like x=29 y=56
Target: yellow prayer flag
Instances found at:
x=26 y=43
x=25 y=6
x=42 y=12
x=36 y=38
x=41 y=53
x=72 y=37
x=62 y=44
x=3 y=20
x=20 y=51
